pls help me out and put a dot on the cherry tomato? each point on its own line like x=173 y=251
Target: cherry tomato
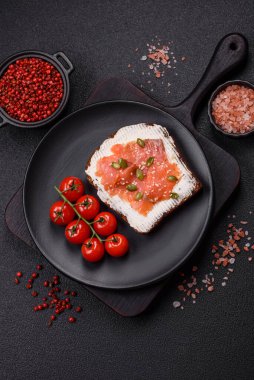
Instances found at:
x=77 y=232
x=61 y=213
x=88 y=206
x=105 y=223
x=72 y=188
x=117 y=245
x=92 y=250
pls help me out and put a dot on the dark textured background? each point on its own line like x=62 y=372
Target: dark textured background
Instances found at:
x=213 y=339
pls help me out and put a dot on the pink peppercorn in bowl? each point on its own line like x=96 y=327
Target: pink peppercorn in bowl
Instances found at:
x=231 y=108
x=34 y=88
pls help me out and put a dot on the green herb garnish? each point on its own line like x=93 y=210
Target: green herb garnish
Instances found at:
x=123 y=163
x=131 y=187
x=115 y=165
x=149 y=161
x=172 y=178
x=139 y=174
x=174 y=195
x=139 y=196
x=141 y=143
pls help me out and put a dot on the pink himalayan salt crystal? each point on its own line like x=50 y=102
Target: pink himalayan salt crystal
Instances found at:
x=233 y=109
x=176 y=304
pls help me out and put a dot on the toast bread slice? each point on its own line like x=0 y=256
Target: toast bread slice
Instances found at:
x=186 y=187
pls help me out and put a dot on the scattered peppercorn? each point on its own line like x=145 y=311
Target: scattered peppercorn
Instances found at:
x=72 y=319
x=53 y=301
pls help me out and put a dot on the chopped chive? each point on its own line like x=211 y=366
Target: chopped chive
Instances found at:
x=131 y=187
x=174 y=195
x=123 y=163
x=139 y=196
x=149 y=161
x=172 y=178
x=115 y=165
x=141 y=143
x=139 y=174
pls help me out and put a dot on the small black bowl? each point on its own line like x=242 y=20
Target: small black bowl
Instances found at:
x=64 y=69
x=214 y=94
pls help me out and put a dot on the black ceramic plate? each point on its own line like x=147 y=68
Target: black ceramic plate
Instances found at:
x=65 y=150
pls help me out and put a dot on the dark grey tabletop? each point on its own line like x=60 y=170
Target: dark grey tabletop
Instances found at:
x=211 y=339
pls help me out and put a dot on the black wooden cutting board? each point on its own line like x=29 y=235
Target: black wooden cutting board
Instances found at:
x=229 y=53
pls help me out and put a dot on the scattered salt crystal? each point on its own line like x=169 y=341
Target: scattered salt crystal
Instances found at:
x=224 y=283
x=176 y=304
x=143 y=58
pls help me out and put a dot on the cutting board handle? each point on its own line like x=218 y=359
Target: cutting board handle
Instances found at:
x=229 y=53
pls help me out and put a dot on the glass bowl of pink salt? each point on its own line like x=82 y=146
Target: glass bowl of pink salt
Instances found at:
x=231 y=108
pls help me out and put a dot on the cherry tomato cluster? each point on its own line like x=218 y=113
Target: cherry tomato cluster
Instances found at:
x=91 y=226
